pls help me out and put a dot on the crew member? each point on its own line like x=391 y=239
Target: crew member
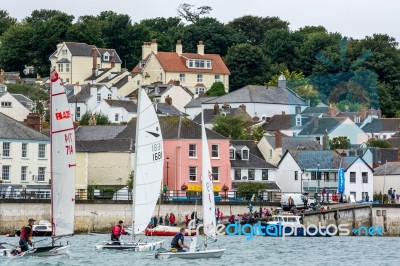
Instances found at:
x=117 y=231
x=177 y=241
x=25 y=237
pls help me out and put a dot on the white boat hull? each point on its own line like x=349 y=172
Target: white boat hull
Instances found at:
x=203 y=254
x=49 y=251
x=9 y=254
x=137 y=247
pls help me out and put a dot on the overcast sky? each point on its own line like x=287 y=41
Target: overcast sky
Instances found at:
x=353 y=18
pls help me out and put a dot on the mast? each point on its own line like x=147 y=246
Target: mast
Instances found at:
x=136 y=161
x=53 y=77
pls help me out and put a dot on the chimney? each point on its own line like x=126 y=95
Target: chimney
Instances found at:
x=363 y=114
x=314 y=120
x=379 y=113
x=34 y=120
x=216 y=109
x=343 y=153
x=278 y=139
x=59 y=47
x=177 y=83
x=146 y=49
x=112 y=60
x=94 y=55
x=178 y=48
x=243 y=107
x=154 y=47
x=372 y=112
x=1 y=76
x=77 y=88
x=168 y=100
x=331 y=111
x=298 y=110
x=200 y=48
x=282 y=81
x=325 y=141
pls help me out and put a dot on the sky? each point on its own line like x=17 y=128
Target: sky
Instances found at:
x=352 y=18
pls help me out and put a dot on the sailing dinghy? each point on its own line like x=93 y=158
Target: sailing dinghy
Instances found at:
x=209 y=221
x=62 y=170
x=147 y=177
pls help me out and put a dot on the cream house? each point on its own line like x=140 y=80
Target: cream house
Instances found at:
x=77 y=61
x=196 y=71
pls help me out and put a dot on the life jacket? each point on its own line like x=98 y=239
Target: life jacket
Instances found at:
x=174 y=242
x=116 y=230
x=22 y=234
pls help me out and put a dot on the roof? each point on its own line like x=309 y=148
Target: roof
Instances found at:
x=109 y=145
x=84 y=94
x=209 y=114
x=315 y=110
x=63 y=60
x=101 y=73
x=166 y=109
x=394 y=142
x=250 y=144
x=284 y=122
x=295 y=143
x=120 y=83
x=114 y=75
x=100 y=132
x=381 y=155
x=382 y=125
x=321 y=125
x=260 y=94
x=196 y=102
x=306 y=159
x=129 y=106
x=83 y=49
x=268 y=185
x=12 y=129
x=389 y=168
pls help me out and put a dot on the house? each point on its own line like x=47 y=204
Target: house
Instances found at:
x=335 y=127
x=195 y=71
x=261 y=101
x=289 y=125
x=16 y=106
x=87 y=97
x=117 y=111
x=24 y=157
x=194 y=107
x=382 y=128
x=247 y=164
x=274 y=146
x=387 y=176
x=76 y=61
x=311 y=171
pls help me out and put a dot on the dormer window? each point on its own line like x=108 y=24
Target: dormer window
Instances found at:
x=157 y=91
x=198 y=63
x=106 y=57
x=142 y=63
x=199 y=90
x=64 y=52
x=298 y=120
x=245 y=154
x=232 y=153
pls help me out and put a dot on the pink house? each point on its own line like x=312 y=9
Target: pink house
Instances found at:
x=182 y=153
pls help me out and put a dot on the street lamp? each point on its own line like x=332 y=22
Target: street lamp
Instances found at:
x=167 y=169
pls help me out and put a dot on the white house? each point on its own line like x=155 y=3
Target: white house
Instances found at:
x=117 y=111
x=12 y=107
x=387 y=176
x=382 y=128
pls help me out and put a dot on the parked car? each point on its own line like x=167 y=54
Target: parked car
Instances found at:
x=298 y=201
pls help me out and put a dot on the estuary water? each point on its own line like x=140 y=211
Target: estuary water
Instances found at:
x=338 y=250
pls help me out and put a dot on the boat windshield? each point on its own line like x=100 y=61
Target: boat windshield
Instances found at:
x=292 y=219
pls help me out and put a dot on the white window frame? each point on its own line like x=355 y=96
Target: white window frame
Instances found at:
x=42 y=151
x=41 y=177
x=116 y=117
x=264 y=174
x=106 y=57
x=60 y=68
x=67 y=68
x=364 y=178
x=199 y=77
x=6 y=149
x=238 y=174
x=200 y=90
x=6 y=104
x=251 y=174
x=182 y=77
x=24 y=173
x=192 y=173
x=355 y=177
x=217 y=78
x=245 y=154
x=215 y=173
x=232 y=154
x=98 y=97
x=5 y=172
x=24 y=150
x=109 y=96
x=298 y=121
x=214 y=151
x=199 y=63
x=192 y=151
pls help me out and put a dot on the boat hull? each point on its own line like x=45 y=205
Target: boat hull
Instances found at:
x=49 y=251
x=203 y=254
x=137 y=247
x=166 y=231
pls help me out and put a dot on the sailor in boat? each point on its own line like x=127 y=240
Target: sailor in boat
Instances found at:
x=25 y=238
x=117 y=231
x=177 y=242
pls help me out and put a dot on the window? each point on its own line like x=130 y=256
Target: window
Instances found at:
x=5 y=173
x=60 y=67
x=42 y=151
x=98 y=97
x=270 y=153
x=41 y=174
x=24 y=150
x=352 y=177
x=116 y=117
x=245 y=154
x=200 y=90
x=215 y=151
x=364 y=195
x=23 y=172
x=264 y=174
x=364 y=177
x=251 y=174
x=6 y=149
x=357 y=119
x=192 y=150
x=78 y=112
x=238 y=174
x=67 y=68
x=217 y=78
x=352 y=193
x=109 y=96
x=64 y=52
x=298 y=121
x=67 y=80
x=232 y=154
x=142 y=63
x=106 y=57
x=192 y=173
x=296 y=175
x=215 y=173
x=6 y=104
x=182 y=77
x=199 y=77
x=199 y=63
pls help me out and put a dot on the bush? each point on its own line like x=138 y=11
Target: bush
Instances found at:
x=247 y=189
x=217 y=89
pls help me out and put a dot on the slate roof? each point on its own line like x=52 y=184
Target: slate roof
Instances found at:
x=166 y=109
x=394 y=142
x=284 y=122
x=196 y=102
x=93 y=76
x=253 y=162
x=252 y=145
x=12 y=129
x=315 y=110
x=83 y=49
x=268 y=185
x=84 y=94
x=382 y=125
x=100 y=132
x=129 y=106
x=22 y=99
x=209 y=115
x=381 y=155
x=324 y=124
x=389 y=168
x=109 y=145
x=122 y=82
x=295 y=143
x=114 y=75
x=63 y=60
x=306 y=159
x=260 y=94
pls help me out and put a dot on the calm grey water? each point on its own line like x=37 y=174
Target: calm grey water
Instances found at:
x=258 y=251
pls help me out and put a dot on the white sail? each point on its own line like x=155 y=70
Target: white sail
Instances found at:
x=62 y=160
x=148 y=164
x=209 y=221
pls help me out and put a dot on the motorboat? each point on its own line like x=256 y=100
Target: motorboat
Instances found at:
x=44 y=228
x=165 y=230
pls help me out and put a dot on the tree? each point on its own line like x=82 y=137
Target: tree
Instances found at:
x=187 y=12
x=236 y=127
x=248 y=189
x=341 y=142
x=380 y=143
x=217 y=89
x=130 y=181
x=247 y=65
x=100 y=119
x=6 y=21
x=87 y=30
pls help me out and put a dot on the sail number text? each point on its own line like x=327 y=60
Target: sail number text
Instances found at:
x=157 y=151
